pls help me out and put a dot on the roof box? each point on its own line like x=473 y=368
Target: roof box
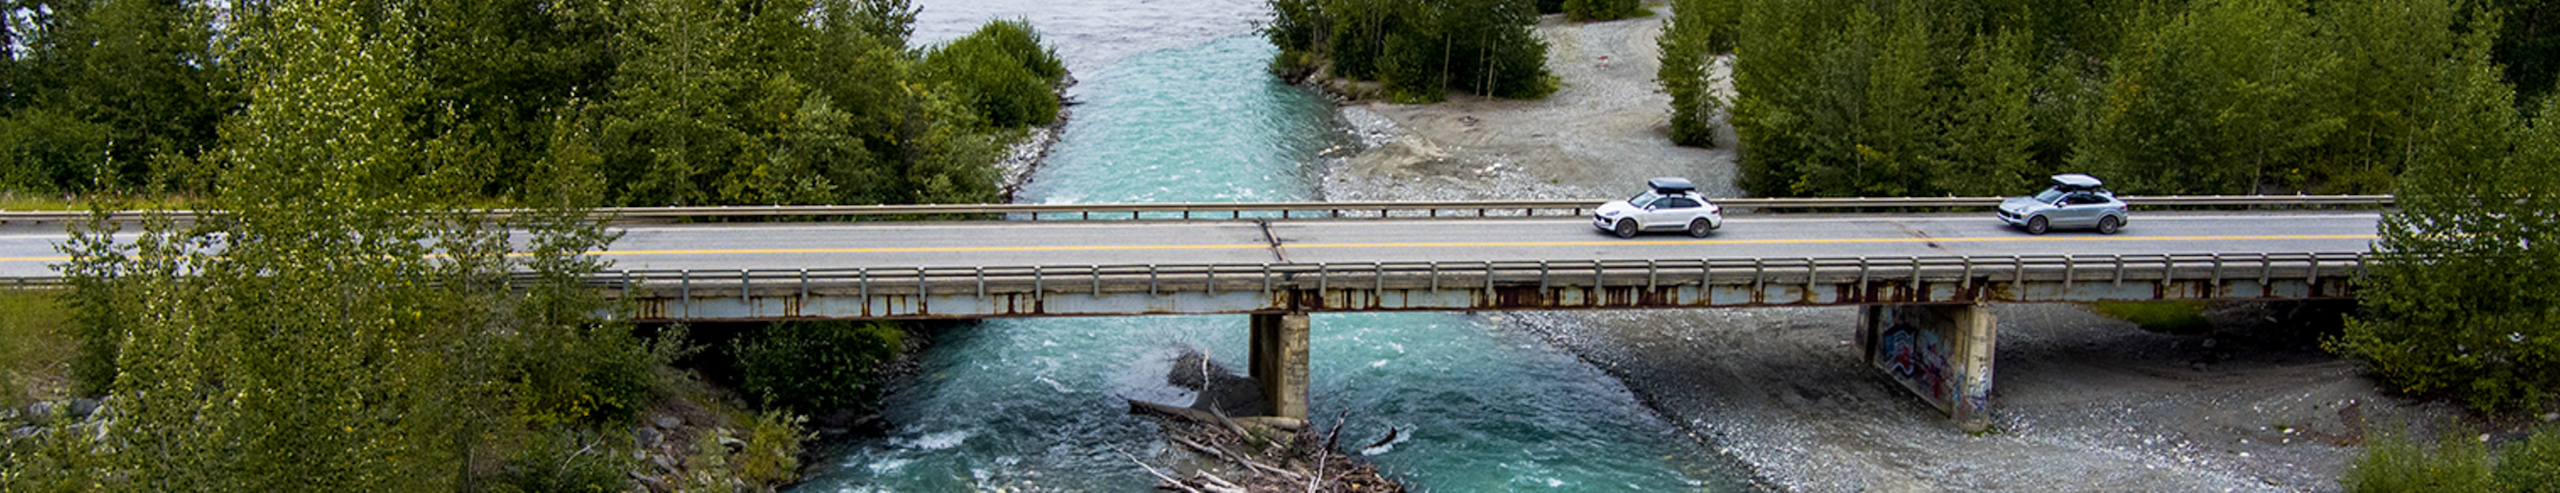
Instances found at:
x=2076 y=180
x=1671 y=185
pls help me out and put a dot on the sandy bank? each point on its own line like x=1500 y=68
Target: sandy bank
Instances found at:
x=1599 y=136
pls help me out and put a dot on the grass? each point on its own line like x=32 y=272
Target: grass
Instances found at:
x=20 y=201
x=2166 y=317
x=35 y=348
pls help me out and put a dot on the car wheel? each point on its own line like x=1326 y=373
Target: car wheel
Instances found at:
x=1626 y=228
x=2110 y=225
x=1699 y=227
x=2037 y=225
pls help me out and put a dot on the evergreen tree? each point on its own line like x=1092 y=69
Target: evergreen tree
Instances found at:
x=2457 y=302
x=1991 y=135
x=1697 y=31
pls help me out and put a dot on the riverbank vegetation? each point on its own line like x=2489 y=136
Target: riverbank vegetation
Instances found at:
x=1936 y=97
x=2395 y=462
x=351 y=321
x=1418 y=52
x=676 y=102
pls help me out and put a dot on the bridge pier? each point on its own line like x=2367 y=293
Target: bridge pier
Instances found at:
x=1941 y=352
x=1280 y=361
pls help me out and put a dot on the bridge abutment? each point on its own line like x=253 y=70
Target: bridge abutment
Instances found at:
x=1941 y=352
x=1279 y=361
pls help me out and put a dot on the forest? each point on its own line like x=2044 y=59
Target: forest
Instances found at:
x=2445 y=104
x=1419 y=52
x=680 y=102
x=1984 y=97
x=346 y=315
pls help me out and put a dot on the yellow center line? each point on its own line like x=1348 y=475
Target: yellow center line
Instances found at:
x=1448 y=244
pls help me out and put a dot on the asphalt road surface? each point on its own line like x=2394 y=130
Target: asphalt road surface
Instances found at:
x=26 y=253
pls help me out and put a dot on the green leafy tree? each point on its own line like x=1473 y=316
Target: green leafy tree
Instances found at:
x=2455 y=303
x=338 y=326
x=110 y=95
x=1003 y=71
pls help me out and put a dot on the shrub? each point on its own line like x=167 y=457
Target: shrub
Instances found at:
x=1599 y=10
x=581 y=375
x=814 y=366
x=1002 y=72
x=562 y=462
x=2531 y=466
x=2393 y=463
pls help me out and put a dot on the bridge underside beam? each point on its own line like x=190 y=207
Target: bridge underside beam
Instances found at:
x=661 y=302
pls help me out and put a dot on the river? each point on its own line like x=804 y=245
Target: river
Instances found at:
x=1174 y=105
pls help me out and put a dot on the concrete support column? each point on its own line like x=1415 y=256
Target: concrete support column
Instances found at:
x=1941 y=352
x=1280 y=361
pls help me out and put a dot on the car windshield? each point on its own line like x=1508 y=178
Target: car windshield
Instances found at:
x=1644 y=199
x=2050 y=194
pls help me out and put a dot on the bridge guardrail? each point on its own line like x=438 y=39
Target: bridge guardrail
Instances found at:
x=1329 y=210
x=1068 y=279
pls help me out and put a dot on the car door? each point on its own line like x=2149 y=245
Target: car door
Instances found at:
x=2079 y=210
x=1670 y=212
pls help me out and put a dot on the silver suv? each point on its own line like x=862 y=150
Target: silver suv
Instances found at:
x=1671 y=204
x=2075 y=201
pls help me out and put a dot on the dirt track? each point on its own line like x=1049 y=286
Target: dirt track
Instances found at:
x=2082 y=402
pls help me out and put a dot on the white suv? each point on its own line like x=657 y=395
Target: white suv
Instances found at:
x=1672 y=204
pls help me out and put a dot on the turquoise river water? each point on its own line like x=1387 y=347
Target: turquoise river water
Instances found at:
x=1177 y=109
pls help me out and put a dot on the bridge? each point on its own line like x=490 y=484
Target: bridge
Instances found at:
x=1924 y=278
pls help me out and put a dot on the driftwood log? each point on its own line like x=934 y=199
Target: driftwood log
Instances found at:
x=1269 y=455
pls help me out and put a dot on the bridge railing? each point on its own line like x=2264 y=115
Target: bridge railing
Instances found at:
x=1333 y=210
x=1492 y=277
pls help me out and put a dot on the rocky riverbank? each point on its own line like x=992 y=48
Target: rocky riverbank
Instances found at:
x=2082 y=401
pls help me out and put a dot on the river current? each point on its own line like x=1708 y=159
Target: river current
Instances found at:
x=1174 y=105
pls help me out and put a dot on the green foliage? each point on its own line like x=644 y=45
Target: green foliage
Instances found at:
x=2456 y=303
x=564 y=462
x=2158 y=97
x=105 y=92
x=814 y=367
x=2394 y=463
x=1417 y=50
x=1002 y=71
x=2528 y=45
x=2531 y=466
x=35 y=341
x=1600 y=10
x=1697 y=31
